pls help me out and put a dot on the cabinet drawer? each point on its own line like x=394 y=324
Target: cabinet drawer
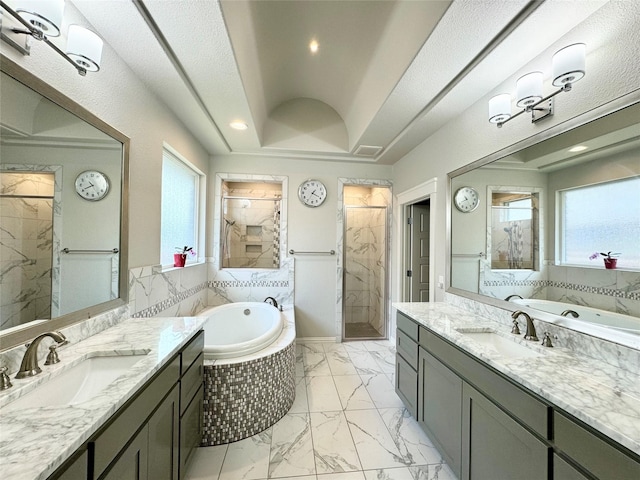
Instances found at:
x=191 y=352
x=407 y=348
x=529 y=410
x=190 y=382
x=408 y=326
x=596 y=455
x=563 y=471
x=407 y=385
x=132 y=416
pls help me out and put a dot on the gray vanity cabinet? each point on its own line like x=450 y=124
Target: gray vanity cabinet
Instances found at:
x=407 y=363
x=440 y=407
x=163 y=432
x=133 y=461
x=495 y=445
x=564 y=471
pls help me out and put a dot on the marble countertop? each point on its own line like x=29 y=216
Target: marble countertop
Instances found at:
x=602 y=396
x=35 y=441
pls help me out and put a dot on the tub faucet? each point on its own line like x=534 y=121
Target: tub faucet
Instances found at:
x=530 y=334
x=573 y=313
x=271 y=301
x=29 y=366
x=513 y=296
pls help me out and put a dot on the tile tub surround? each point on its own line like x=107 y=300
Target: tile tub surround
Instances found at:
x=34 y=442
x=346 y=423
x=247 y=394
x=604 y=397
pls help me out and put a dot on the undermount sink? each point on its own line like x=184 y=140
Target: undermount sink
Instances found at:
x=77 y=384
x=503 y=346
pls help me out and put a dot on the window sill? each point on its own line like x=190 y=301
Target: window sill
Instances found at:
x=170 y=268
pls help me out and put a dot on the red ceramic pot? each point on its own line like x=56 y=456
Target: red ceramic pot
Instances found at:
x=179 y=259
x=610 y=263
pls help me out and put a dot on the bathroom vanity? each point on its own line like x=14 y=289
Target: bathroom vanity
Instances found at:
x=144 y=425
x=500 y=407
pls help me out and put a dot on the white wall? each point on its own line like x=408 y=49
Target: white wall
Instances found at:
x=116 y=96
x=311 y=229
x=613 y=42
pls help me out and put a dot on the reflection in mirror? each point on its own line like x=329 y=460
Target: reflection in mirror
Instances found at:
x=513 y=229
x=61 y=249
x=545 y=214
x=250 y=236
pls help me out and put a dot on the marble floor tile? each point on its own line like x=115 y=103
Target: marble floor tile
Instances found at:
x=300 y=404
x=386 y=361
x=334 y=347
x=292 y=447
x=436 y=472
x=315 y=364
x=340 y=363
x=343 y=476
x=352 y=392
x=365 y=364
x=312 y=347
x=322 y=395
x=333 y=446
x=411 y=441
x=382 y=391
x=380 y=346
x=248 y=459
x=206 y=463
x=402 y=473
x=373 y=441
x=355 y=346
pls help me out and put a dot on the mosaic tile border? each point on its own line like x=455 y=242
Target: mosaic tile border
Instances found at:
x=610 y=292
x=158 y=308
x=247 y=283
x=245 y=398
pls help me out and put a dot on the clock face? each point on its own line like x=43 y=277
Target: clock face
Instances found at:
x=466 y=199
x=312 y=193
x=92 y=185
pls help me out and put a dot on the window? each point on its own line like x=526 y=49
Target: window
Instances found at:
x=600 y=218
x=180 y=201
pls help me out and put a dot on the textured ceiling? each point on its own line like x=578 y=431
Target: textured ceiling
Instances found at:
x=387 y=73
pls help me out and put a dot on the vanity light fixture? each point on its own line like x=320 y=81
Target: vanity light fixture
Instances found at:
x=568 y=66
x=41 y=19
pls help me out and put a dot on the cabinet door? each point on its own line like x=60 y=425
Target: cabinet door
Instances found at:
x=74 y=470
x=132 y=464
x=563 y=471
x=407 y=385
x=190 y=430
x=440 y=408
x=164 y=437
x=497 y=447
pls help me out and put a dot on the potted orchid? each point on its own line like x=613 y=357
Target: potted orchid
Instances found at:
x=610 y=259
x=179 y=259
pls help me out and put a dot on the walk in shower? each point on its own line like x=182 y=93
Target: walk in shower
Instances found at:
x=365 y=258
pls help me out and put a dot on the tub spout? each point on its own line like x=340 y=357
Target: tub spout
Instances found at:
x=271 y=301
x=515 y=295
x=573 y=313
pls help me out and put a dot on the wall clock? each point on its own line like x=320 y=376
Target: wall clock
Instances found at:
x=92 y=185
x=312 y=193
x=466 y=199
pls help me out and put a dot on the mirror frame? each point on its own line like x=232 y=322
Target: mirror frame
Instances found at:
x=22 y=335
x=587 y=117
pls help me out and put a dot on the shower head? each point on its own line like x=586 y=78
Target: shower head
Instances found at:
x=229 y=222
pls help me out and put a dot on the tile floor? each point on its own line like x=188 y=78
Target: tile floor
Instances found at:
x=346 y=423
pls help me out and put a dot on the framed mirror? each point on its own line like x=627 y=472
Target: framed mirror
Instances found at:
x=550 y=212
x=63 y=194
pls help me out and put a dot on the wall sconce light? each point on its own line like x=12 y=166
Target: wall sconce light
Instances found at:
x=568 y=66
x=41 y=19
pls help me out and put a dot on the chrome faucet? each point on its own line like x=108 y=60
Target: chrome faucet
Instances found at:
x=573 y=313
x=515 y=295
x=271 y=301
x=29 y=366
x=530 y=334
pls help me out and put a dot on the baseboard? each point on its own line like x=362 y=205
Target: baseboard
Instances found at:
x=303 y=340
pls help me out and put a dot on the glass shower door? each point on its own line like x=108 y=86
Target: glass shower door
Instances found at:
x=365 y=273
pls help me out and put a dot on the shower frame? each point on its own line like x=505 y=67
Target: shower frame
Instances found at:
x=385 y=300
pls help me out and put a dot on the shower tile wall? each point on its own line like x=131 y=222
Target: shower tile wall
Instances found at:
x=26 y=239
x=251 y=236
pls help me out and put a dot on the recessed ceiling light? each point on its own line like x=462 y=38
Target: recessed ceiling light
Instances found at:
x=578 y=148
x=239 y=125
x=314 y=46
